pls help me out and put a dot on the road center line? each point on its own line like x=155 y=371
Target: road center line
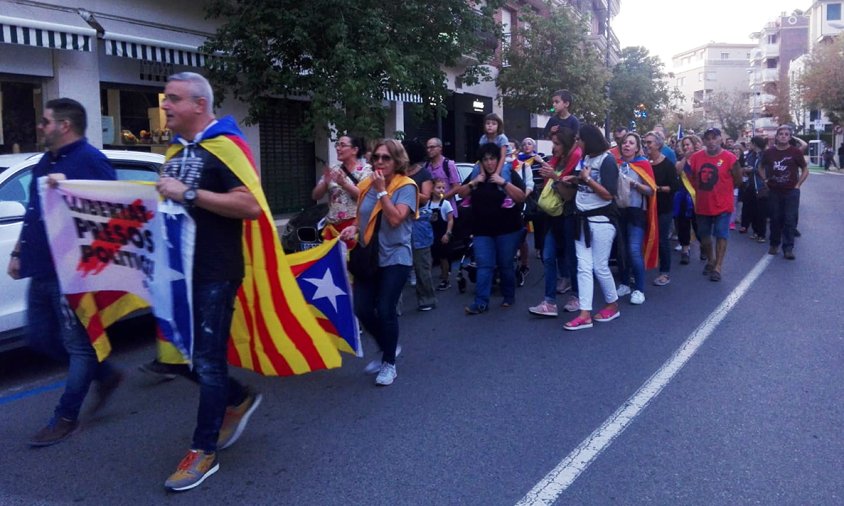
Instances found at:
x=561 y=477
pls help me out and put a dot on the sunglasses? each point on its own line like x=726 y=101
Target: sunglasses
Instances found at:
x=382 y=158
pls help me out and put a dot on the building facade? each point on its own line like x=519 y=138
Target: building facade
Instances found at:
x=779 y=43
x=704 y=70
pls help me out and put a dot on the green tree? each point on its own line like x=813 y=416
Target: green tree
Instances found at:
x=550 y=52
x=730 y=110
x=638 y=84
x=820 y=83
x=345 y=55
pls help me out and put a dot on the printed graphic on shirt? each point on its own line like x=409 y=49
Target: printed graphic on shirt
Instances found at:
x=708 y=176
x=186 y=168
x=781 y=170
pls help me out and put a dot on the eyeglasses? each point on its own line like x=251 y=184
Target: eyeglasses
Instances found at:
x=382 y=158
x=339 y=144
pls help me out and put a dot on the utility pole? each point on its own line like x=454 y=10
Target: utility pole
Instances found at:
x=607 y=133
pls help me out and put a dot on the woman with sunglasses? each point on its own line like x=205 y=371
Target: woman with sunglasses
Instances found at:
x=497 y=229
x=340 y=183
x=387 y=204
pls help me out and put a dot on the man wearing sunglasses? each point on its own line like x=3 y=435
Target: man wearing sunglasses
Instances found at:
x=52 y=327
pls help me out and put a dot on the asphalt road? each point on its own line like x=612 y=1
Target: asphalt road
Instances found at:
x=485 y=407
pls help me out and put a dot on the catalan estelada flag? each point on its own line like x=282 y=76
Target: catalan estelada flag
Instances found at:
x=273 y=331
x=322 y=277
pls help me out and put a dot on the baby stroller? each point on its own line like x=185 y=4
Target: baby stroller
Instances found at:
x=460 y=250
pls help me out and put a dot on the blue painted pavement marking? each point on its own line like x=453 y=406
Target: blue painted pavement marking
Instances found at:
x=30 y=393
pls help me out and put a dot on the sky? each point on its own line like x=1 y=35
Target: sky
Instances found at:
x=668 y=28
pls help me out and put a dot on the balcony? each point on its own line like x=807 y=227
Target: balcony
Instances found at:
x=766 y=98
x=770 y=76
x=770 y=50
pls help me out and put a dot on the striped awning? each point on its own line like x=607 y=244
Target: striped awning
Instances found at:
x=156 y=43
x=154 y=51
x=392 y=96
x=29 y=32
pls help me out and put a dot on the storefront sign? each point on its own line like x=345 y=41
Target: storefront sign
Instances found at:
x=155 y=71
x=478 y=105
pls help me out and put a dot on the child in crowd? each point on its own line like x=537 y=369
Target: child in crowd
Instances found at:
x=442 y=221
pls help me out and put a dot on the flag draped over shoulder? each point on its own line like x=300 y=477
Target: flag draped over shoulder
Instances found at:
x=650 y=246
x=686 y=179
x=322 y=277
x=109 y=244
x=273 y=331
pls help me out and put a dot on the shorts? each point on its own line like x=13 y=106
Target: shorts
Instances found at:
x=718 y=225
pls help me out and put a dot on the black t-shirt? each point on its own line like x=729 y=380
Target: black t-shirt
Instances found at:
x=665 y=174
x=490 y=217
x=218 y=255
x=571 y=122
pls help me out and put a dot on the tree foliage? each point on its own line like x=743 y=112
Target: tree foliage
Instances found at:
x=730 y=110
x=638 y=80
x=344 y=55
x=548 y=53
x=820 y=83
x=780 y=108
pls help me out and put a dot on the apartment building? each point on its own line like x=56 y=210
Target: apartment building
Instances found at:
x=701 y=71
x=778 y=43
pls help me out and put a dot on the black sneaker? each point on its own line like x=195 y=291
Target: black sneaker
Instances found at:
x=444 y=285
x=56 y=431
x=164 y=372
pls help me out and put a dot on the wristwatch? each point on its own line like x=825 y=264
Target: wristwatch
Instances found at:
x=381 y=194
x=189 y=197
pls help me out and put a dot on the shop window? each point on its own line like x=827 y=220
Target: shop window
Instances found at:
x=132 y=119
x=18 y=117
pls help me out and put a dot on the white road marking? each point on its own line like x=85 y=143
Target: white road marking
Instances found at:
x=561 y=477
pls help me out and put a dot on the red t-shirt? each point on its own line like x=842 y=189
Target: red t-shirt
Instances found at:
x=712 y=177
x=782 y=167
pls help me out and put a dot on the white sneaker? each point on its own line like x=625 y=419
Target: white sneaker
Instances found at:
x=544 y=308
x=623 y=290
x=678 y=248
x=573 y=304
x=637 y=297
x=375 y=366
x=386 y=375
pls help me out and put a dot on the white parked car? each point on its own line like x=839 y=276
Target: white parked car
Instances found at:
x=15 y=176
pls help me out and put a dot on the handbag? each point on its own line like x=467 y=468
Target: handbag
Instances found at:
x=550 y=201
x=363 y=260
x=622 y=198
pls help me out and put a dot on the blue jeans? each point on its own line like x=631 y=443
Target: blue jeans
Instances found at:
x=375 y=306
x=634 y=227
x=213 y=307
x=492 y=251
x=664 y=220
x=718 y=226
x=783 y=207
x=558 y=255
x=54 y=330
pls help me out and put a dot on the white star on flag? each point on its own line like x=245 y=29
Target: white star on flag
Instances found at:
x=326 y=288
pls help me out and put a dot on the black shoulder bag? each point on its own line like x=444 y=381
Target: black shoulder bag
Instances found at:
x=363 y=260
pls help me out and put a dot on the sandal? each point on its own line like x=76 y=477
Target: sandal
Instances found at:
x=708 y=269
x=579 y=323
x=607 y=314
x=714 y=276
x=662 y=280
